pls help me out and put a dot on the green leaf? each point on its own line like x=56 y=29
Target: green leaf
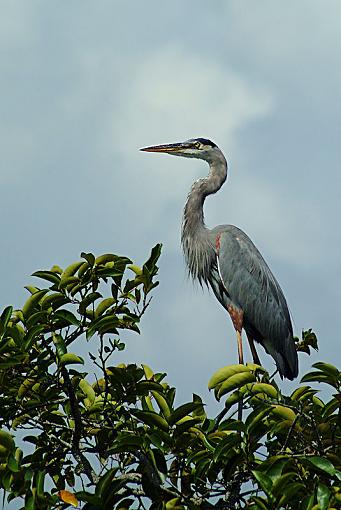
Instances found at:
x=33 y=334
x=136 y=269
x=88 y=300
x=160 y=461
x=264 y=481
x=13 y=464
x=338 y=475
x=232 y=399
x=199 y=412
x=126 y=442
x=323 y=495
x=94 y=502
x=24 y=387
x=330 y=407
x=30 y=501
x=256 y=387
x=67 y=316
x=224 y=373
x=283 y=412
x=327 y=368
x=184 y=425
x=105 y=484
x=4 y=319
x=88 y=390
x=302 y=393
x=32 y=302
x=310 y=338
x=151 y=418
x=68 y=275
x=109 y=270
x=308 y=502
x=31 y=289
x=105 y=258
x=125 y=503
x=38 y=483
x=6 y=440
x=159 y=438
x=225 y=446
x=256 y=416
x=54 y=300
x=84 y=271
x=197 y=457
x=37 y=317
x=291 y=494
x=281 y=483
x=89 y=257
x=12 y=361
x=182 y=411
x=106 y=324
x=154 y=257
x=235 y=381
x=318 y=377
x=50 y=276
x=161 y=401
x=59 y=342
x=104 y=305
x=260 y=502
x=144 y=387
x=276 y=466
x=148 y=372
x=174 y=504
x=56 y=269
x=70 y=359
x=322 y=463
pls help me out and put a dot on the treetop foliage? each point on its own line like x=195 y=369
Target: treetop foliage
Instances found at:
x=102 y=436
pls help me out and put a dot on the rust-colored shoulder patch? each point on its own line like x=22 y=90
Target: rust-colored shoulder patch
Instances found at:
x=217 y=242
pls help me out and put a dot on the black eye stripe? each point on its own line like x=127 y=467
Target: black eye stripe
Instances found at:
x=205 y=141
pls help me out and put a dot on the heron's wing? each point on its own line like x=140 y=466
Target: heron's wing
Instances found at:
x=251 y=285
x=245 y=273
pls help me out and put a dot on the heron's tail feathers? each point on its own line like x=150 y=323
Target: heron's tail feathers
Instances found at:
x=286 y=357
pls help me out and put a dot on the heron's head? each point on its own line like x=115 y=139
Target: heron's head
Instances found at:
x=199 y=148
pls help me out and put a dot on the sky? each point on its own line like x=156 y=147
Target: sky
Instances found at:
x=84 y=85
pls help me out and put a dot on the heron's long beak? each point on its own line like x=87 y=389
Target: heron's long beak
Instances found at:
x=168 y=148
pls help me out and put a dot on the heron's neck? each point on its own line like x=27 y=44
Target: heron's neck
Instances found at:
x=193 y=217
x=195 y=239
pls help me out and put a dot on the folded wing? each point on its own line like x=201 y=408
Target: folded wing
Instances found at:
x=245 y=279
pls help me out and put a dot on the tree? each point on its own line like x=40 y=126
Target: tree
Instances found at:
x=106 y=436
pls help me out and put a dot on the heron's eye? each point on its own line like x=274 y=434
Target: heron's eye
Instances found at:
x=197 y=145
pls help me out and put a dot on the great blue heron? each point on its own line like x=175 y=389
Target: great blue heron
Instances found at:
x=227 y=260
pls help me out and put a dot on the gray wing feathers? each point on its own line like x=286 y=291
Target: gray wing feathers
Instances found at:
x=251 y=286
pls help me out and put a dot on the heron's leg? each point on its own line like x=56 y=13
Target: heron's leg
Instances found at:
x=253 y=350
x=240 y=347
x=236 y=315
x=241 y=361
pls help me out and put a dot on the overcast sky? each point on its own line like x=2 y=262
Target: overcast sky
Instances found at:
x=84 y=84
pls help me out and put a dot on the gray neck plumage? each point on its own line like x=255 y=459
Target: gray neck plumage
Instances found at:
x=195 y=238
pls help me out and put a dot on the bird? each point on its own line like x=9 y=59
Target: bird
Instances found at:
x=225 y=259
